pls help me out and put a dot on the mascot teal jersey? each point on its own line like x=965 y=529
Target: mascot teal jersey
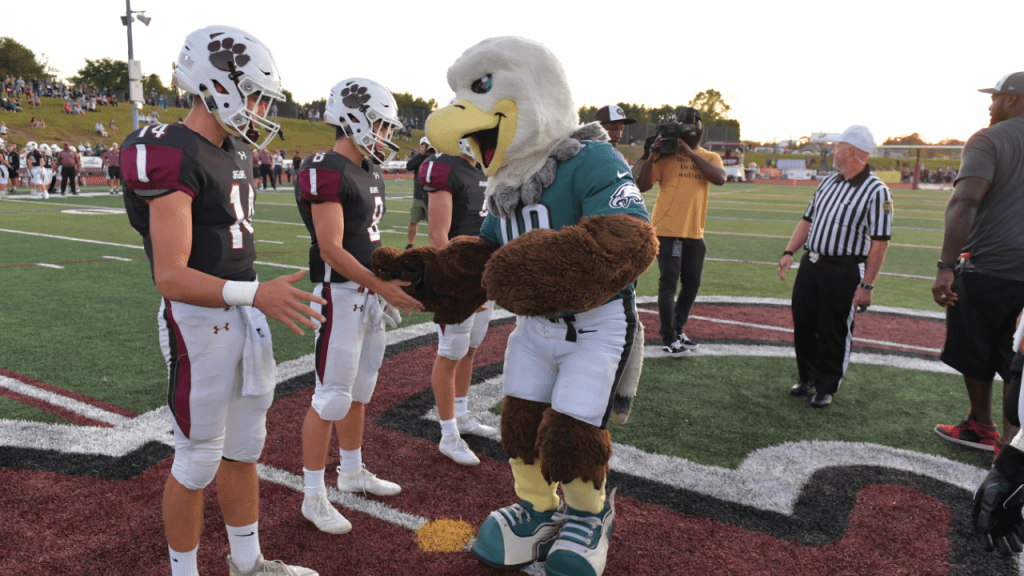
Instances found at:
x=592 y=183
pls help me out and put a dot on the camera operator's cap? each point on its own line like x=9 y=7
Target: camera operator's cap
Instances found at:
x=1009 y=84
x=612 y=113
x=859 y=137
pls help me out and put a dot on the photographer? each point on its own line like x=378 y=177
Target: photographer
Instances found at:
x=685 y=171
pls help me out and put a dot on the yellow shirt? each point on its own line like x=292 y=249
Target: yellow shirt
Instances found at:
x=682 y=203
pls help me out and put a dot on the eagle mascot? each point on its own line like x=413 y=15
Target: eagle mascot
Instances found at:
x=565 y=238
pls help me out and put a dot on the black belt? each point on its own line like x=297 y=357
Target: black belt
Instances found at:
x=841 y=259
x=570 y=329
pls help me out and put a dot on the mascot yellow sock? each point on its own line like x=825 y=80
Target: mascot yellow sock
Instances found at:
x=532 y=487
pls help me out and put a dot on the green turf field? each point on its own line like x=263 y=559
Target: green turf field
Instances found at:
x=79 y=312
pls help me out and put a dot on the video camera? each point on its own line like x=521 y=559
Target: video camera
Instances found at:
x=671 y=132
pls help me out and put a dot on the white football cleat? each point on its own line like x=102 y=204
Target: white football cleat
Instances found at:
x=366 y=481
x=269 y=568
x=468 y=425
x=455 y=448
x=319 y=510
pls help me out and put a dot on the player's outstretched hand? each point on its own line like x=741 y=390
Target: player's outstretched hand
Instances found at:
x=283 y=302
x=392 y=291
x=996 y=515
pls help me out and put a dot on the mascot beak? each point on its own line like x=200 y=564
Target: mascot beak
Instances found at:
x=489 y=133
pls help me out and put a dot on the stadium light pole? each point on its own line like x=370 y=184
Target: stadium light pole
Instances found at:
x=127 y=21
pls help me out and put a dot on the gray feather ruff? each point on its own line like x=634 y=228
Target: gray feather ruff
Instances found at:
x=503 y=199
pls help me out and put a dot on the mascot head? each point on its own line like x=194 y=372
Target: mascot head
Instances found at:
x=512 y=104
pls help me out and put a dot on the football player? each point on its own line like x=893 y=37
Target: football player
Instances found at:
x=340 y=195
x=34 y=158
x=14 y=160
x=189 y=193
x=455 y=187
x=112 y=162
x=5 y=171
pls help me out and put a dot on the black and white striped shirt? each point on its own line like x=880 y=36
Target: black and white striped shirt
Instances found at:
x=846 y=215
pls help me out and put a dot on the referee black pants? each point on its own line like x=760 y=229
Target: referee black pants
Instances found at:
x=823 y=321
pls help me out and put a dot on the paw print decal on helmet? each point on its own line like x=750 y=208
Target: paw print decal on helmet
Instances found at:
x=354 y=96
x=227 y=55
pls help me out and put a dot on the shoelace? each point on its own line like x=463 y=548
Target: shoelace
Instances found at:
x=578 y=528
x=519 y=511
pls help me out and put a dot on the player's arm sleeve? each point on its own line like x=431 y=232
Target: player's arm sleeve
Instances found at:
x=151 y=171
x=435 y=176
x=321 y=185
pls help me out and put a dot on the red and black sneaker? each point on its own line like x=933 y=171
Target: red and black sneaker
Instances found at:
x=972 y=433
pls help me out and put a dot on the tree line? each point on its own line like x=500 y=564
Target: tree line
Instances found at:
x=17 y=60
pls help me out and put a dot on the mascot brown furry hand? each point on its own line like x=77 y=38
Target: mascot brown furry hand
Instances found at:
x=565 y=237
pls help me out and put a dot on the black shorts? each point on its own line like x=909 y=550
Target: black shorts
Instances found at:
x=979 y=328
x=113 y=172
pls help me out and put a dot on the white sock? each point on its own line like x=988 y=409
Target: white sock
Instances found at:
x=245 y=545
x=351 y=460
x=461 y=406
x=449 y=428
x=314 y=481
x=184 y=563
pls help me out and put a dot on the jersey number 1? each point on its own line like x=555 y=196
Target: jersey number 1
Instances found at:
x=243 y=216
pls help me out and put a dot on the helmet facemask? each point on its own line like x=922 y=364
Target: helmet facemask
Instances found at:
x=374 y=138
x=236 y=77
x=367 y=114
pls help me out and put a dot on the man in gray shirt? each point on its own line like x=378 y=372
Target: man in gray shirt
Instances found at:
x=980 y=280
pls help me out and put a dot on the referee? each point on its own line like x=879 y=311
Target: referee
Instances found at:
x=846 y=232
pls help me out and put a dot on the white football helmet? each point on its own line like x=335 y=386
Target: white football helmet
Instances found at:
x=44 y=149
x=240 y=65
x=31 y=146
x=356 y=106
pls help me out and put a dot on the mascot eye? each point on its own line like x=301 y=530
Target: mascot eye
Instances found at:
x=482 y=85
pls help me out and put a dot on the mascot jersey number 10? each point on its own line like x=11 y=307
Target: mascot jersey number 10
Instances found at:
x=565 y=237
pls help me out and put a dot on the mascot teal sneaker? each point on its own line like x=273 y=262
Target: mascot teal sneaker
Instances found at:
x=582 y=545
x=516 y=536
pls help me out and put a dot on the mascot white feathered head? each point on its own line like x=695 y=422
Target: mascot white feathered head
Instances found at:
x=512 y=104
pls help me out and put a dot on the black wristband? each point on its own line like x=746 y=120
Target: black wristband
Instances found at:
x=787 y=253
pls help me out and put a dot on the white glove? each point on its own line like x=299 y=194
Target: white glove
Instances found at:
x=373 y=316
x=391 y=314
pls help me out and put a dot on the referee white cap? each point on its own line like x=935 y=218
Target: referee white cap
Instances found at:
x=1009 y=84
x=425 y=141
x=859 y=137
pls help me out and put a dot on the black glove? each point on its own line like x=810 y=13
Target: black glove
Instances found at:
x=996 y=515
x=647 y=147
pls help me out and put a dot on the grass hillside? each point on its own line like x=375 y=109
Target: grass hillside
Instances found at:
x=300 y=136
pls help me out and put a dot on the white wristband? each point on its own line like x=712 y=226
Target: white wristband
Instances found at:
x=239 y=293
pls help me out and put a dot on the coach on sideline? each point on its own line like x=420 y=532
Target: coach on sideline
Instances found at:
x=846 y=230
x=985 y=294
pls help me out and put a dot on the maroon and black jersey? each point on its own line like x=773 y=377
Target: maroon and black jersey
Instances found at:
x=331 y=177
x=35 y=159
x=465 y=182
x=162 y=158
